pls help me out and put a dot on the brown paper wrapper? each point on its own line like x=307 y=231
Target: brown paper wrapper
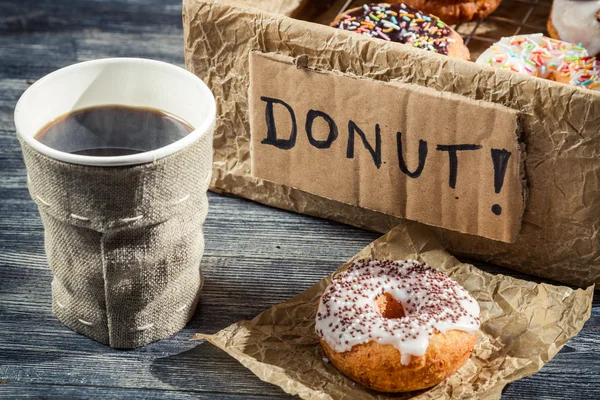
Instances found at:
x=524 y=325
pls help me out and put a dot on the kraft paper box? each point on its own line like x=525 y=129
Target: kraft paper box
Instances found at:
x=329 y=123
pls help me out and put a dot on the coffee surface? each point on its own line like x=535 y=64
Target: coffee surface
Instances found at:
x=113 y=130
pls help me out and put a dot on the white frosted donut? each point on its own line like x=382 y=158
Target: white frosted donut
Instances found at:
x=539 y=55
x=348 y=314
x=577 y=21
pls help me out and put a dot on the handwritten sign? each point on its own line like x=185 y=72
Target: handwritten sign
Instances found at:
x=401 y=149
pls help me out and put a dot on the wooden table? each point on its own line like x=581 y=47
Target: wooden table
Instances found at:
x=255 y=256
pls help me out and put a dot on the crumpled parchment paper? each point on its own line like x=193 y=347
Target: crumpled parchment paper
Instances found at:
x=524 y=325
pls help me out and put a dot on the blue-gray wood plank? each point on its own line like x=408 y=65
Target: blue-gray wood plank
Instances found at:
x=255 y=256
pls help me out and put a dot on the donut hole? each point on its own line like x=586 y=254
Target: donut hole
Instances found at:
x=389 y=307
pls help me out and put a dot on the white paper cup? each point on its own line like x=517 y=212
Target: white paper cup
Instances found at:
x=135 y=82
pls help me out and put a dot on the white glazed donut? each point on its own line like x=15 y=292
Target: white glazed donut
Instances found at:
x=578 y=21
x=539 y=55
x=430 y=335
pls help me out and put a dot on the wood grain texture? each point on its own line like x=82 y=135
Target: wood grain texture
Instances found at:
x=255 y=256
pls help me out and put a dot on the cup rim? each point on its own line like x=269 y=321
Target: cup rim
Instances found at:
x=132 y=159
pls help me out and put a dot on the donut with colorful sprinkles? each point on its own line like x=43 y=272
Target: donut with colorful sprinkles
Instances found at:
x=544 y=57
x=403 y=24
x=396 y=326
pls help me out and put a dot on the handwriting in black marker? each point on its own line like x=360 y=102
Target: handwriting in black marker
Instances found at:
x=452 y=149
x=422 y=157
x=500 y=159
x=333 y=130
x=272 y=139
x=375 y=153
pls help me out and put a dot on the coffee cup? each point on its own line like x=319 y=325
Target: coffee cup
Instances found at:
x=123 y=234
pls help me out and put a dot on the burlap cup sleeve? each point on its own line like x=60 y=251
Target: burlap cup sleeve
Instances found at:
x=124 y=243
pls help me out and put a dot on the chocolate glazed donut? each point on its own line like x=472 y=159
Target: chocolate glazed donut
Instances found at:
x=403 y=24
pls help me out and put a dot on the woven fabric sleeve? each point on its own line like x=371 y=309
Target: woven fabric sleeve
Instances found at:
x=124 y=243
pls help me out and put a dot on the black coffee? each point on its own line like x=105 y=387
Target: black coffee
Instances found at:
x=113 y=131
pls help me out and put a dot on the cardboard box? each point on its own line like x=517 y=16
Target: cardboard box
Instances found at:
x=359 y=130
